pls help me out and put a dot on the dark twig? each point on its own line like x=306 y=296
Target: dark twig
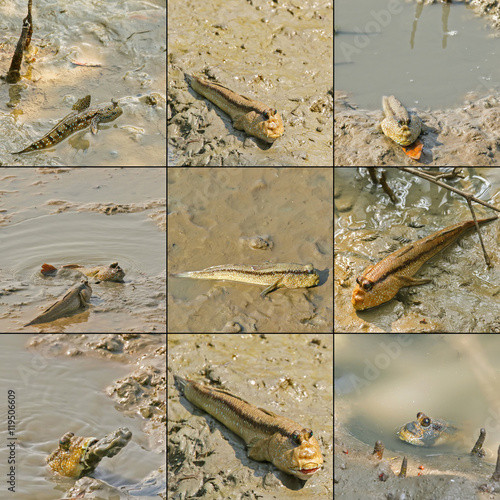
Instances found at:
x=378 y=451
x=479 y=443
x=404 y=467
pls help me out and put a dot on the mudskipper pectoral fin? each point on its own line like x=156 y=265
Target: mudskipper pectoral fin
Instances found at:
x=407 y=281
x=85 y=297
x=270 y=288
x=259 y=450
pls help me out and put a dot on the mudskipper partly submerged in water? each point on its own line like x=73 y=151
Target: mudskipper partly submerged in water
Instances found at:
x=426 y=431
x=78 y=297
x=113 y=272
x=77 y=456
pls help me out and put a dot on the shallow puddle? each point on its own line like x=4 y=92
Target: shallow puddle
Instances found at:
x=383 y=381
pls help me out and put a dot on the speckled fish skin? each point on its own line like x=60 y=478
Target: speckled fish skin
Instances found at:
x=253 y=117
x=269 y=437
x=77 y=120
x=77 y=297
x=379 y=283
x=67 y=460
x=283 y=275
x=77 y=456
x=399 y=125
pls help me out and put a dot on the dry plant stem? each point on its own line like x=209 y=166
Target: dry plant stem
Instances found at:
x=424 y=175
x=469 y=197
x=404 y=468
x=383 y=182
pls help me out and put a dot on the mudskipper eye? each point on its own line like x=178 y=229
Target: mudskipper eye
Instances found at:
x=426 y=422
x=367 y=286
x=295 y=437
x=266 y=115
x=65 y=441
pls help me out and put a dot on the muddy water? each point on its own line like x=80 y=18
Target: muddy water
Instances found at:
x=278 y=54
x=286 y=374
x=439 y=60
x=212 y=215
x=429 y=56
x=61 y=217
x=56 y=395
x=382 y=382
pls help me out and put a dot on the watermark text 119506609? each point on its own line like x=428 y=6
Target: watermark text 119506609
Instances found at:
x=11 y=441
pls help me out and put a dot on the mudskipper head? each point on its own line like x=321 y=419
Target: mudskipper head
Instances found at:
x=270 y=126
x=304 y=458
x=111 y=273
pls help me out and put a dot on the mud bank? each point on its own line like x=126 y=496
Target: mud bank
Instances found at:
x=467 y=135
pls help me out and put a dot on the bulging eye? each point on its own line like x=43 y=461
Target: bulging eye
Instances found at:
x=368 y=285
x=65 y=441
x=267 y=114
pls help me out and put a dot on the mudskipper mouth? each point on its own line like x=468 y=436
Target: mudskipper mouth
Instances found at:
x=309 y=471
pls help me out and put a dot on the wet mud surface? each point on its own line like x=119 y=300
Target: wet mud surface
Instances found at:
x=292 y=224
x=207 y=460
x=463 y=136
x=141 y=395
x=279 y=55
